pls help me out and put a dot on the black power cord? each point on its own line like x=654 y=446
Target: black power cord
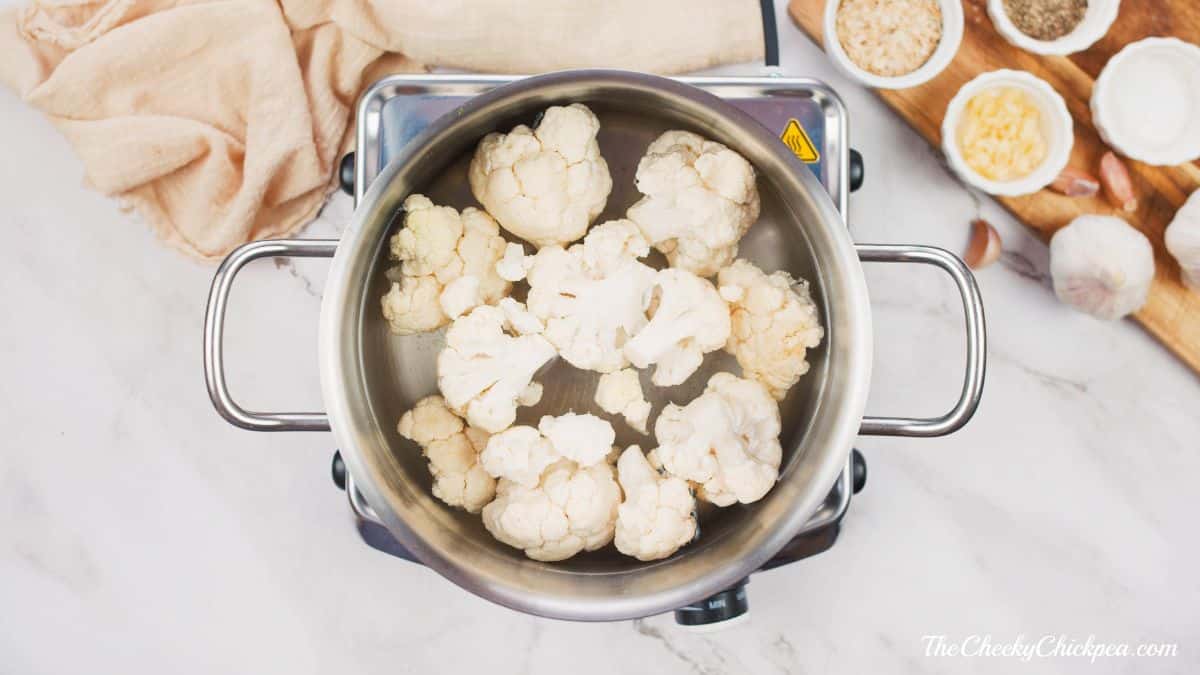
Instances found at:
x=770 y=34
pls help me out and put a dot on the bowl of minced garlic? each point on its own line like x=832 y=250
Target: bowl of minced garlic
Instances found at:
x=1053 y=27
x=892 y=44
x=1008 y=133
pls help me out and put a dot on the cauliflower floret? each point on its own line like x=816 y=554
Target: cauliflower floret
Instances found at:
x=452 y=449
x=519 y=318
x=531 y=395
x=688 y=320
x=483 y=371
x=590 y=295
x=700 y=198
x=547 y=184
x=774 y=322
x=659 y=512
x=726 y=440
x=447 y=266
x=583 y=439
x=571 y=509
x=520 y=454
x=514 y=264
x=620 y=393
x=413 y=305
x=459 y=296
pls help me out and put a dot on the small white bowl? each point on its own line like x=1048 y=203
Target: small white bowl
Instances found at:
x=1057 y=127
x=952 y=33
x=1096 y=21
x=1130 y=110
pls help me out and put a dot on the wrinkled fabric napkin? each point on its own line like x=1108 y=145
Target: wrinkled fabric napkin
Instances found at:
x=221 y=121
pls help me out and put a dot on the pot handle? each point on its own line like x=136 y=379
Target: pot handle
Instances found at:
x=972 y=304
x=214 y=334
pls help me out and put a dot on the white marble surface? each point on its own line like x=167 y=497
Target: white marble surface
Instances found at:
x=140 y=533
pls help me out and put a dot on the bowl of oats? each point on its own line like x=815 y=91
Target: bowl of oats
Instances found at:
x=892 y=44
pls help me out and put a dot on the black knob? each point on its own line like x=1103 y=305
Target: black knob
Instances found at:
x=338 y=470
x=856 y=169
x=346 y=173
x=728 y=604
x=858 y=470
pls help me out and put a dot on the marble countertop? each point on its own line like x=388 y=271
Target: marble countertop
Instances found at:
x=140 y=533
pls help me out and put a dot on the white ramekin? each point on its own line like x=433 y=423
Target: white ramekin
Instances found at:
x=952 y=33
x=1096 y=22
x=1057 y=127
x=1114 y=88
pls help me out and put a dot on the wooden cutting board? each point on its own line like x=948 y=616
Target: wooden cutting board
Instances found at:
x=1172 y=313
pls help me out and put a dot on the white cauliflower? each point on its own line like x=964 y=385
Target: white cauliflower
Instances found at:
x=583 y=439
x=658 y=514
x=452 y=449
x=688 y=320
x=519 y=319
x=459 y=297
x=413 y=305
x=531 y=395
x=726 y=440
x=484 y=372
x=514 y=264
x=700 y=198
x=520 y=454
x=590 y=296
x=447 y=266
x=547 y=184
x=774 y=322
x=620 y=393
x=571 y=509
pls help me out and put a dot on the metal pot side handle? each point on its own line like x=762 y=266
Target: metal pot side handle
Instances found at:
x=214 y=334
x=972 y=304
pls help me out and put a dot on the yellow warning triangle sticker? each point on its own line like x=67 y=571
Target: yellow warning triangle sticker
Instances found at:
x=799 y=143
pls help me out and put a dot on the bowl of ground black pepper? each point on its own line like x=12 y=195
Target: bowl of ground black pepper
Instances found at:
x=1056 y=27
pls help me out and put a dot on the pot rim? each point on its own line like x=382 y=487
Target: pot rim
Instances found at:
x=829 y=436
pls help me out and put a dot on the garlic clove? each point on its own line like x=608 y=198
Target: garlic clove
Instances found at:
x=1117 y=182
x=1075 y=183
x=1183 y=241
x=1102 y=266
x=984 y=248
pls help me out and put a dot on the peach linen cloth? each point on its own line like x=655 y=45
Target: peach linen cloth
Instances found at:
x=221 y=121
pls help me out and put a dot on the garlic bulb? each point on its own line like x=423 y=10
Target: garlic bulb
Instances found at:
x=1183 y=240
x=1101 y=265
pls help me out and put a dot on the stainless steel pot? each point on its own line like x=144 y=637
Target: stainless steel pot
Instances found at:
x=369 y=377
